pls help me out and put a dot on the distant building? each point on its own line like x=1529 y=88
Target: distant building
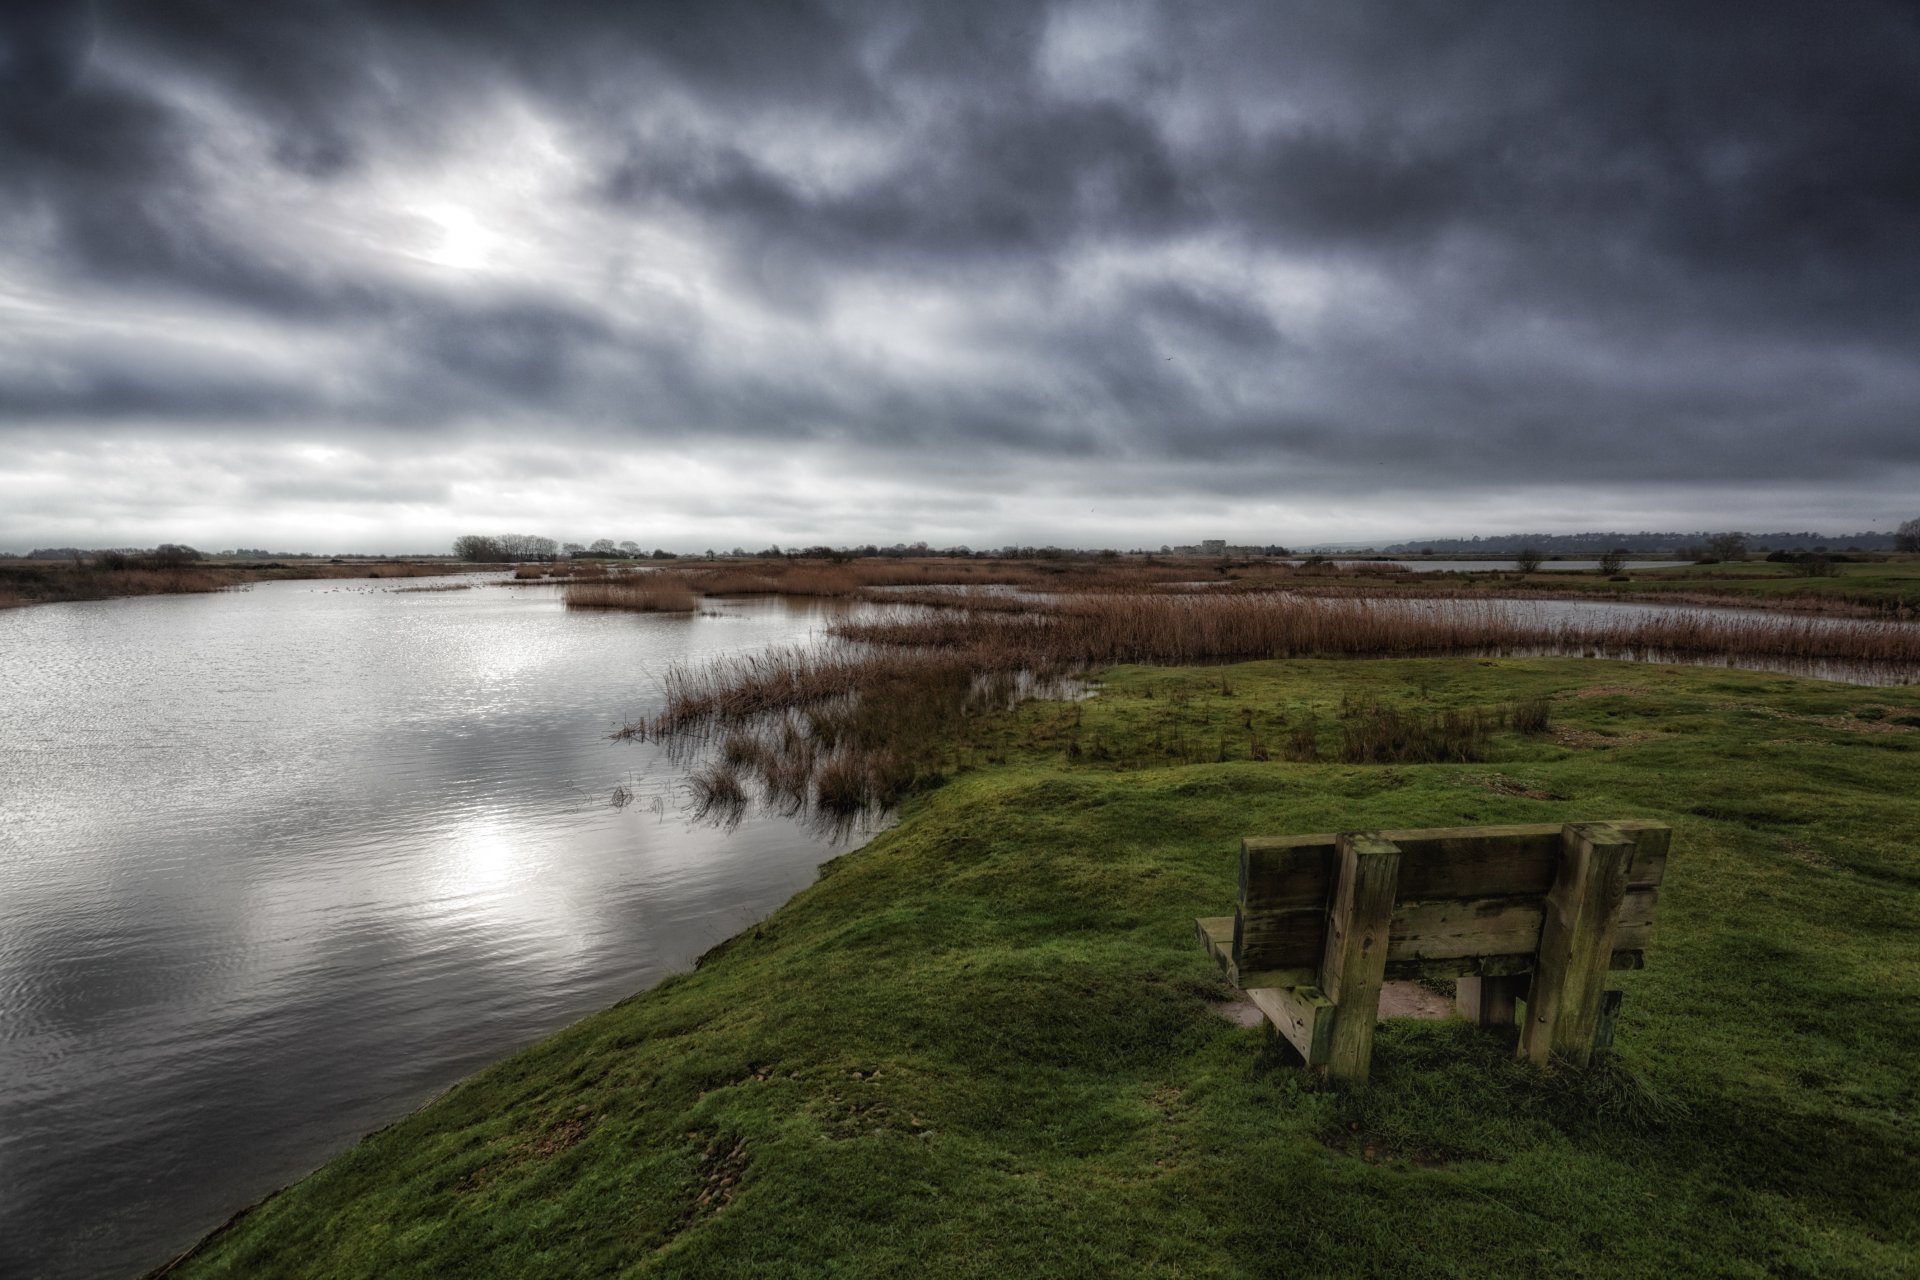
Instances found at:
x=1220 y=547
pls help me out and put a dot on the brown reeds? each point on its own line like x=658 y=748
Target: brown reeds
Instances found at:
x=42 y=582
x=648 y=592
x=860 y=723
x=1184 y=629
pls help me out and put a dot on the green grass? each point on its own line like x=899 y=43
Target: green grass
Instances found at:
x=1886 y=586
x=985 y=1045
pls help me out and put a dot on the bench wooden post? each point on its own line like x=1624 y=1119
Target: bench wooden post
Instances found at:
x=1564 y=1003
x=1367 y=870
x=1488 y=1001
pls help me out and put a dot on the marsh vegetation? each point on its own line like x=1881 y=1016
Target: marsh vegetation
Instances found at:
x=855 y=724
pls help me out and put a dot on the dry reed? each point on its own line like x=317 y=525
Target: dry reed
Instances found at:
x=1183 y=629
x=648 y=592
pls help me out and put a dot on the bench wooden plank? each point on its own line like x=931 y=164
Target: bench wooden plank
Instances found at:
x=1431 y=930
x=1295 y=872
x=1452 y=967
x=1216 y=935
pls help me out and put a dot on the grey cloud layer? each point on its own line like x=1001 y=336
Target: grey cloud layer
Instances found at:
x=1298 y=249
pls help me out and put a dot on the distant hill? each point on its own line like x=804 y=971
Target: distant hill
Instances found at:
x=1594 y=543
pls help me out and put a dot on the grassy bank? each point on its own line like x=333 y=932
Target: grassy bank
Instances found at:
x=987 y=1044
x=1884 y=587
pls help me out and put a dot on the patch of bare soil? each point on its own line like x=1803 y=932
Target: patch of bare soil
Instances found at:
x=1602 y=691
x=1500 y=784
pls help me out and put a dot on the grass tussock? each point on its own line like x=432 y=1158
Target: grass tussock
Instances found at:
x=649 y=592
x=1374 y=732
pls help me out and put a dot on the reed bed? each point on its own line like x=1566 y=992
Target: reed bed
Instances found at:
x=1200 y=628
x=806 y=578
x=860 y=722
x=561 y=571
x=42 y=582
x=651 y=592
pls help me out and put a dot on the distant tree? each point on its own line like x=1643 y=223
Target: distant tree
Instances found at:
x=1612 y=562
x=630 y=549
x=478 y=548
x=1728 y=546
x=572 y=549
x=172 y=555
x=1907 y=536
x=522 y=546
x=1526 y=560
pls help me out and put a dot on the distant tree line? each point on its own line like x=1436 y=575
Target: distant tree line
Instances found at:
x=168 y=555
x=497 y=548
x=1590 y=544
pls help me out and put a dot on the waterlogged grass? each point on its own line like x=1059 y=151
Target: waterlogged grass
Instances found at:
x=986 y=1045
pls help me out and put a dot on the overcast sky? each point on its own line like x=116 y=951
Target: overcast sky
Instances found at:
x=364 y=274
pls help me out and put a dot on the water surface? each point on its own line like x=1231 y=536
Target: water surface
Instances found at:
x=277 y=866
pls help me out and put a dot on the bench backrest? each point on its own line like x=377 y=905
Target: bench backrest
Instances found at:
x=1468 y=900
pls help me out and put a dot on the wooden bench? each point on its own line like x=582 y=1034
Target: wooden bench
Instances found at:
x=1537 y=913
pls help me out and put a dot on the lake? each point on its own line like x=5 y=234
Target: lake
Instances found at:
x=279 y=865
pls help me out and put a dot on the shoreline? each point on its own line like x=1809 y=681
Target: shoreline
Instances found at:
x=25 y=583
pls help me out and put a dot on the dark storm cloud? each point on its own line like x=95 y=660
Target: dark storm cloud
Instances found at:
x=1293 y=249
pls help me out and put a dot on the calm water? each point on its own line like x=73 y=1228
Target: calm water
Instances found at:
x=278 y=866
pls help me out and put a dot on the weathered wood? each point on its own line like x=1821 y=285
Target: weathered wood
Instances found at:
x=1296 y=976
x=1489 y=1002
x=1576 y=942
x=1435 y=862
x=1436 y=929
x=1216 y=935
x=1490 y=966
x=1285 y=871
x=1304 y=1015
x=1268 y=939
x=1355 y=961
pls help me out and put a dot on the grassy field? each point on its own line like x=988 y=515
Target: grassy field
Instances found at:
x=988 y=1045
x=1887 y=586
